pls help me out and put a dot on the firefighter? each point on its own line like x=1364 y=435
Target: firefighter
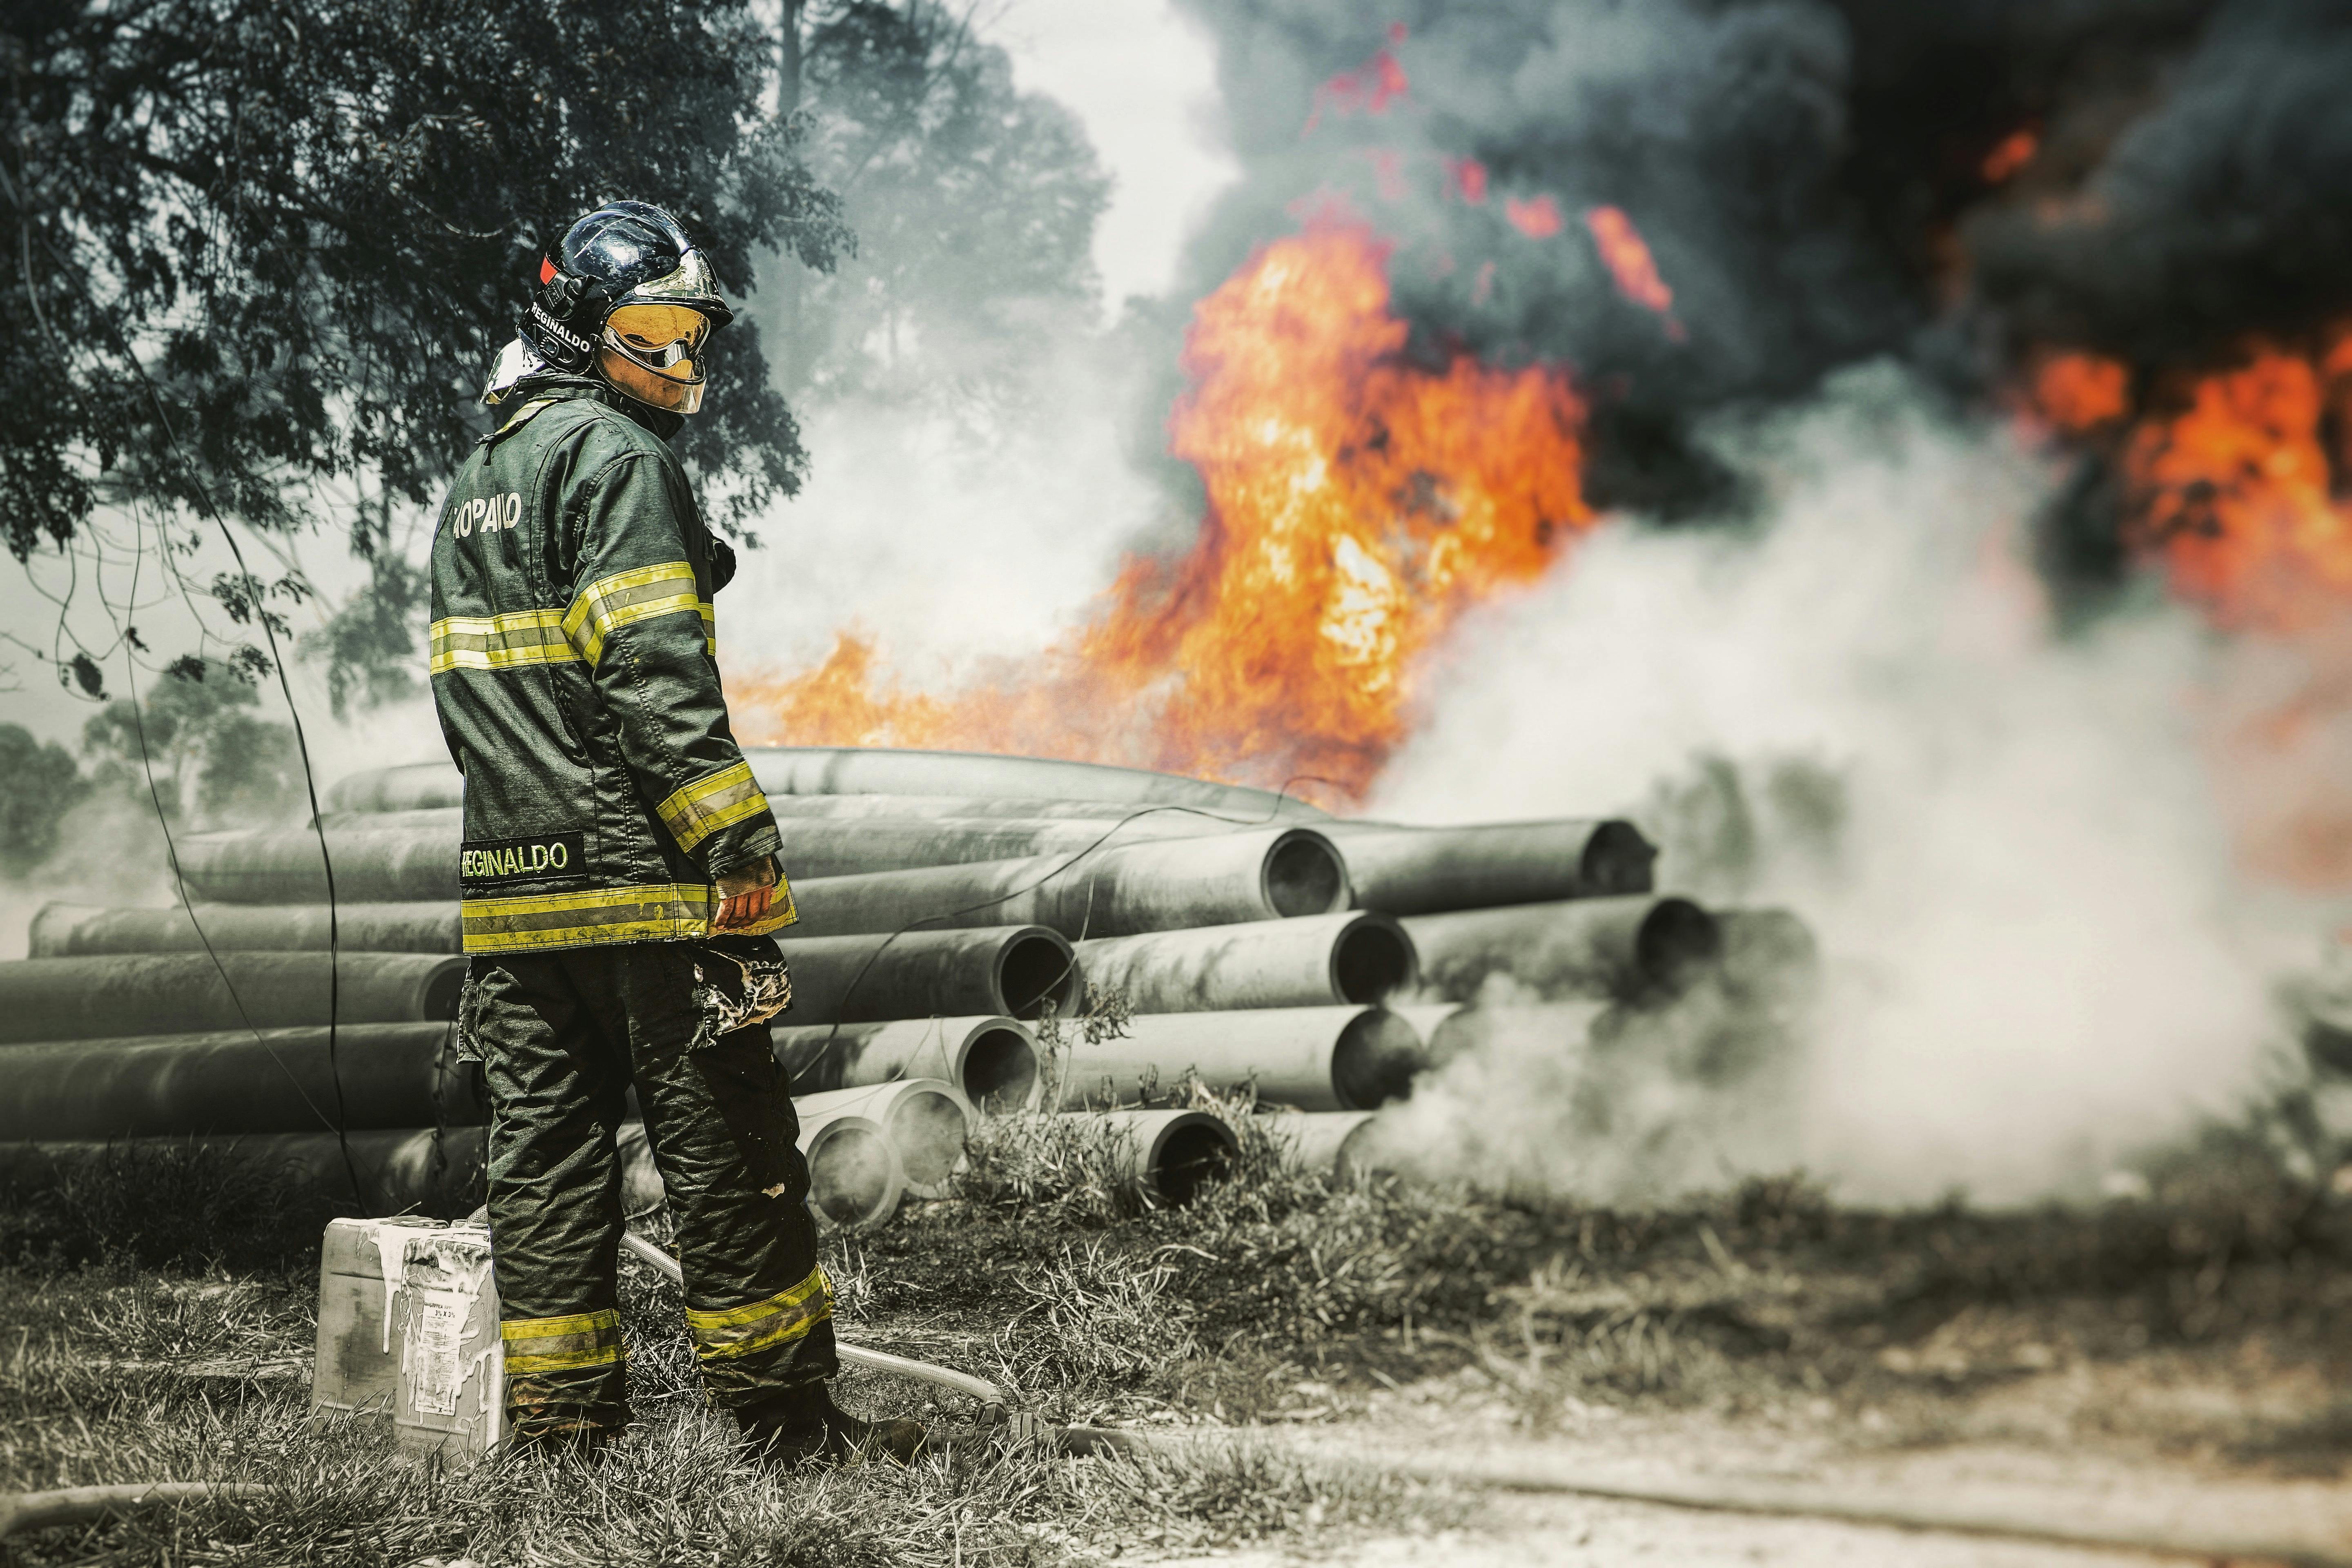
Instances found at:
x=619 y=880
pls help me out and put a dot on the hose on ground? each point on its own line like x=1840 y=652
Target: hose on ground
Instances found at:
x=993 y=1403
x=22 y=1511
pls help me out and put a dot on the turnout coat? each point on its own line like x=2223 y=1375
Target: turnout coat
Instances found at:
x=574 y=667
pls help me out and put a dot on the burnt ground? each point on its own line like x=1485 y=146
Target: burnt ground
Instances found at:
x=2172 y=1362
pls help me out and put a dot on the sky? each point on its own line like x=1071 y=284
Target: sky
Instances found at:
x=1144 y=81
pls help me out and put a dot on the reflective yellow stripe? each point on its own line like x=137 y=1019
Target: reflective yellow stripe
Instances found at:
x=780 y=913
x=702 y=809
x=559 y=1344
x=522 y=414
x=625 y=598
x=783 y=1317
x=499 y=642
x=660 y=912
x=710 y=628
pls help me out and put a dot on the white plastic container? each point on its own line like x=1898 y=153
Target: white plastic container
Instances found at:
x=408 y=1332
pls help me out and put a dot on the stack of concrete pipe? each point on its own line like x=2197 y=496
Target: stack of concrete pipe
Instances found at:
x=949 y=902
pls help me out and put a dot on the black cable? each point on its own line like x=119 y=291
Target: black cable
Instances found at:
x=301 y=739
x=179 y=880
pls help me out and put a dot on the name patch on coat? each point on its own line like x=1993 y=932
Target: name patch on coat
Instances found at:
x=515 y=859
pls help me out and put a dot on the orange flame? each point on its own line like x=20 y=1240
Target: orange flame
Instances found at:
x=1371 y=90
x=2240 y=496
x=1358 y=505
x=2010 y=155
x=1627 y=256
x=1538 y=216
x=2077 y=392
x=2238 y=484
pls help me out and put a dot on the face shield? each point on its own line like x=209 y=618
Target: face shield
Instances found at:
x=652 y=352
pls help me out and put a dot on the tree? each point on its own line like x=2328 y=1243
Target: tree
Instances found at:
x=39 y=783
x=259 y=244
x=974 y=205
x=212 y=756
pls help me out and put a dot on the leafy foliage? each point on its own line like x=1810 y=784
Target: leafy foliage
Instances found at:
x=39 y=783
x=370 y=642
x=212 y=755
x=312 y=223
x=974 y=205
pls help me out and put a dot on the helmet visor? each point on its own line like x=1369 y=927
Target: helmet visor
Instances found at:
x=664 y=339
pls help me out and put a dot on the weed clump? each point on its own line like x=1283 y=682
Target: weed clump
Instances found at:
x=1064 y=1171
x=164 y=1205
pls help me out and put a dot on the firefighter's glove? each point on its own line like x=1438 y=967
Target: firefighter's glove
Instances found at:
x=745 y=893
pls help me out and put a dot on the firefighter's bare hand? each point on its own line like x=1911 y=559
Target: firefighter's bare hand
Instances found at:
x=744 y=894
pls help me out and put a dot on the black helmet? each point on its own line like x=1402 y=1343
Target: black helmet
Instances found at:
x=627 y=293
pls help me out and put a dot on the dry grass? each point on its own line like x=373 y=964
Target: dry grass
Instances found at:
x=676 y=1490
x=134 y=1346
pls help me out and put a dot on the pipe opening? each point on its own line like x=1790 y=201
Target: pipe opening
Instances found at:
x=441 y=993
x=929 y=1131
x=849 y=1173
x=1374 y=1061
x=1371 y=960
x=1000 y=1071
x=1617 y=860
x=1035 y=969
x=1677 y=940
x=1189 y=1158
x=1304 y=876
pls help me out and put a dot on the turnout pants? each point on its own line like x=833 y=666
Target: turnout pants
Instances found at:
x=562 y=1036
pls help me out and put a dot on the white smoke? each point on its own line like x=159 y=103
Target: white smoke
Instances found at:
x=943 y=543
x=2037 y=959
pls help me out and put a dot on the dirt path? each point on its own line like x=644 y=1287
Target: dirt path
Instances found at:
x=2000 y=1457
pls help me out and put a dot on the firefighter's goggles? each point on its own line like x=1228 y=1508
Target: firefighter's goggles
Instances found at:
x=664 y=339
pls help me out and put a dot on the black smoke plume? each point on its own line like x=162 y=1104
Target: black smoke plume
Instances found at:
x=1818 y=181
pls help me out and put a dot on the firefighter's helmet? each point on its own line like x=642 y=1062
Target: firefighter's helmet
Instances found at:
x=628 y=294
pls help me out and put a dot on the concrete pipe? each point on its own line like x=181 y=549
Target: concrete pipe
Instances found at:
x=850 y=770
x=1629 y=948
x=823 y=847
x=281 y=865
x=164 y=994
x=1328 y=1142
x=449 y=819
x=1564 y=1027
x=441 y=1173
x=856 y=770
x=1035 y=809
x=927 y=1121
x=1011 y=970
x=641 y=1184
x=813 y=845
x=84 y=931
x=855 y=1181
x=1316 y=1058
x=1173 y=1154
x=1264 y=874
x=381 y=1075
x=1769 y=953
x=854 y=1177
x=992 y=1059
x=1311 y=963
x=1432 y=870
x=1429 y=1020
x=411 y=787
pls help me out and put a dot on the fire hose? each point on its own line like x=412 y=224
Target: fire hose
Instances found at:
x=996 y=1410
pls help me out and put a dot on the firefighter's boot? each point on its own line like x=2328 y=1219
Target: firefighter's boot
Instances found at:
x=805 y=1424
